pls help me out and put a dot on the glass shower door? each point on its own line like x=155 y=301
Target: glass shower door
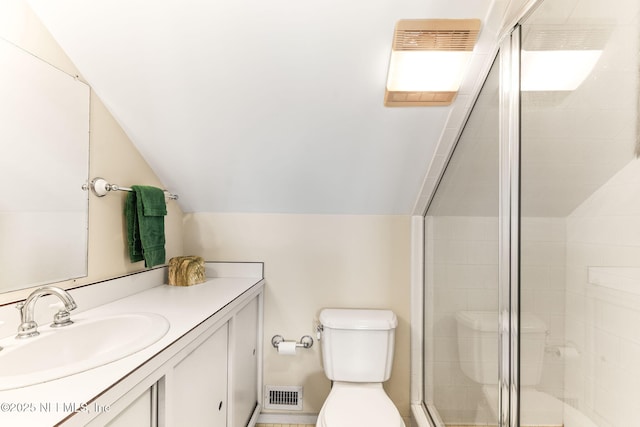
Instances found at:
x=461 y=275
x=580 y=214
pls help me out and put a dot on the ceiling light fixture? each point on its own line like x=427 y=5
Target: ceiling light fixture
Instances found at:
x=429 y=58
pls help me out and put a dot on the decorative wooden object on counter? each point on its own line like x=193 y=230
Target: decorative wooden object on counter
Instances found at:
x=186 y=271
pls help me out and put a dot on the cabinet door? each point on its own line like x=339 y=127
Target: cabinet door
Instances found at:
x=199 y=386
x=244 y=364
x=138 y=413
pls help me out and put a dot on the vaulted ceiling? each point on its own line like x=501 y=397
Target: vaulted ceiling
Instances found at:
x=263 y=106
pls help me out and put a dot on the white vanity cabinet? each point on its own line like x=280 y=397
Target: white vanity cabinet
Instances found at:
x=140 y=413
x=210 y=376
x=196 y=390
x=216 y=384
x=244 y=366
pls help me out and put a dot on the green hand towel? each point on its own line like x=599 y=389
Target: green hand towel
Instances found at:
x=145 y=209
x=133 y=230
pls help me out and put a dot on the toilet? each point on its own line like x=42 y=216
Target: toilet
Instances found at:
x=357 y=354
x=478 y=354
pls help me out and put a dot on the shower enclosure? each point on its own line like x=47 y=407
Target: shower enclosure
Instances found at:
x=532 y=238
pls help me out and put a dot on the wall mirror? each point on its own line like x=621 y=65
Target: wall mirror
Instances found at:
x=44 y=136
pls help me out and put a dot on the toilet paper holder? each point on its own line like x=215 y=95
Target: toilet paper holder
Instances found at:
x=305 y=342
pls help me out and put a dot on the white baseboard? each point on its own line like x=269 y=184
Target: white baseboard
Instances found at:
x=267 y=418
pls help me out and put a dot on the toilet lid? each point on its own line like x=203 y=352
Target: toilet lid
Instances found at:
x=359 y=406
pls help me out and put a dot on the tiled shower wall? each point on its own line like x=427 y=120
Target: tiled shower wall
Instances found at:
x=603 y=321
x=542 y=290
x=462 y=274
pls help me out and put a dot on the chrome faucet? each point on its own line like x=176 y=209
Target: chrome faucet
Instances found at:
x=28 y=327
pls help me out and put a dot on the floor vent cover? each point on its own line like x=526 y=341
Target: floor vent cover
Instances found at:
x=283 y=397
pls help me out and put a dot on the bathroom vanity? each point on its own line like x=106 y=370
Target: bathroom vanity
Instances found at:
x=205 y=370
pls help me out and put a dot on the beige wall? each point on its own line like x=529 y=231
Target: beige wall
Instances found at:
x=312 y=262
x=112 y=156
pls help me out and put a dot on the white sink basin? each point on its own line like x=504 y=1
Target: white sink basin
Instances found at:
x=87 y=344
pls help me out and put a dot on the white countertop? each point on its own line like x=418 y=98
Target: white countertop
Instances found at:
x=184 y=308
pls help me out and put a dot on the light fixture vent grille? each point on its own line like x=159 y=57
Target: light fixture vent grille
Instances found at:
x=428 y=61
x=283 y=397
x=436 y=34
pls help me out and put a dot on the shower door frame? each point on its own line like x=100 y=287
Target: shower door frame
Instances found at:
x=509 y=232
x=508 y=56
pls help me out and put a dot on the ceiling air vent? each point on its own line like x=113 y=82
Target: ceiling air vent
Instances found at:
x=436 y=34
x=283 y=397
x=428 y=60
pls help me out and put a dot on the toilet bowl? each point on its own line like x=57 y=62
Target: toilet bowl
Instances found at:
x=358 y=404
x=357 y=354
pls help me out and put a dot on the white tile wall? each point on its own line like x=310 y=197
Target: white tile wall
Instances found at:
x=604 y=323
x=543 y=258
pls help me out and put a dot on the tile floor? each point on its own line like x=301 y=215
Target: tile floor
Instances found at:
x=285 y=425
x=489 y=425
x=313 y=425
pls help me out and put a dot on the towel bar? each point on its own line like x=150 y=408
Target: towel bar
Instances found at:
x=100 y=187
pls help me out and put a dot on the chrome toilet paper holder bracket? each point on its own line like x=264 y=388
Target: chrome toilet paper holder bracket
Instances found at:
x=305 y=342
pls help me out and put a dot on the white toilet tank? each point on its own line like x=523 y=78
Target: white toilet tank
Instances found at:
x=478 y=346
x=357 y=344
